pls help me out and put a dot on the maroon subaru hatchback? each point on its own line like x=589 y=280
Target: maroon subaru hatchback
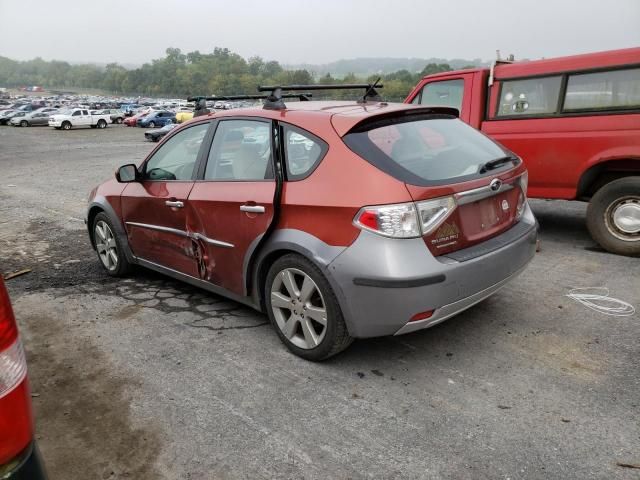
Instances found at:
x=338 y=219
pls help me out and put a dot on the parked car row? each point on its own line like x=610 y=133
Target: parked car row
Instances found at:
x=24 y=118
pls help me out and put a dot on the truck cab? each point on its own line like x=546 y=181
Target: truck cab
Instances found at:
x=575 y=121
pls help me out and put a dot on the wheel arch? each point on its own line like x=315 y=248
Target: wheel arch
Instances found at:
x=257 y=261
x=101 y=205
x=603 y=172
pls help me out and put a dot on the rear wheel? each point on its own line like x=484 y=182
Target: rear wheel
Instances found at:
x=110 y=251
x=101 y=124
x=118 y=120
x=152 y=124
x=304 y=310
x=613 y=216
x=66 y=125
x=24 y=123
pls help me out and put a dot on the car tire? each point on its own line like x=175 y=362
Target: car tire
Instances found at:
x=152 y=124
x=24 y=123
x=101 y=124
x=613 y=216
x=118 y=120
x=302 y=333
x=66 y=125
x=108 y=247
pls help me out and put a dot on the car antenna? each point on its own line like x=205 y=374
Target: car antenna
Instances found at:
x=372 y=93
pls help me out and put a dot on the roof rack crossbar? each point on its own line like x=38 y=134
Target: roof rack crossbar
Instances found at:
x=274 y=102
x=338 y=86
x=300 y=96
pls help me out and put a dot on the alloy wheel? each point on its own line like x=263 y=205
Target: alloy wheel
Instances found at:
x=299 y=308
x=106 y=245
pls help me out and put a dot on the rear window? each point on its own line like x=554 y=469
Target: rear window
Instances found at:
x=426 y=149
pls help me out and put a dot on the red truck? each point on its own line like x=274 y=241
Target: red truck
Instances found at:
x=575 y=121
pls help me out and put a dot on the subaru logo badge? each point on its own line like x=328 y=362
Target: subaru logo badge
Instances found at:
x=495 y=184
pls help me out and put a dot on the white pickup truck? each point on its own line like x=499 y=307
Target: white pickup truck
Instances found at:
x=78 y=117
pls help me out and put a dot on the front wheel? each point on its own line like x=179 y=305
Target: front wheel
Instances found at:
x=24 y=123
x=613 y=216
x=152 y=124
x=66 y=126
x=304 y=309
x=110 y=251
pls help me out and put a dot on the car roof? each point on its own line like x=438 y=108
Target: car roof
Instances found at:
x=585 y=61
x=343 y=115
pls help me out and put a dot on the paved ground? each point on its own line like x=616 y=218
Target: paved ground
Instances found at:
x=147 y=378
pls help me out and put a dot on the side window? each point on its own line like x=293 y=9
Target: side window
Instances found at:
x=241 y=150
x=85 y=112
x=533 y=96
x=447 y=93
x=303 y=152
x=176 y=158
x=616 y=89
x=77 y=113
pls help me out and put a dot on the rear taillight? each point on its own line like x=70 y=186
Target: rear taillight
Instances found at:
x=398 y=221
x=434 y=212
x=13 y=367
x=8 y=328
x=523 y=181
x=522 y=201
x=406 y=220
x=16 y=424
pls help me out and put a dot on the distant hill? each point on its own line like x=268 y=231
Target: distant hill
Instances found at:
x=381 y=65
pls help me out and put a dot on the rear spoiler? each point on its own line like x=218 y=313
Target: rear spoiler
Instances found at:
x=403 y=116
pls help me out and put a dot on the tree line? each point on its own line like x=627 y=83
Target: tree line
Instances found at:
x=221 y=72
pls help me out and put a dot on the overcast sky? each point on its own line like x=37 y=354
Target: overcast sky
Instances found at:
x=314 y=31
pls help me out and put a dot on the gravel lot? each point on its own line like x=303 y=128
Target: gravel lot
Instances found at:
x=147 y=378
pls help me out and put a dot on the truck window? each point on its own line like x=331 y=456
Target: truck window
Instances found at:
x=447 y=93
x=530 y=97
x=77 y=113
x=616 y=89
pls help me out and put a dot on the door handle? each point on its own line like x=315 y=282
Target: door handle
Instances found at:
x=176 y=204
x=252 y=208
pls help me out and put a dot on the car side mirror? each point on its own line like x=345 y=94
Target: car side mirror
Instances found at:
x=127 y=173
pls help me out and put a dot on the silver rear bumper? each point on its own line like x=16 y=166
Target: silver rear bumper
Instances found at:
x=381 y=283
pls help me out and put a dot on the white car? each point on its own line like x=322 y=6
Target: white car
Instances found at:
x=78 y=117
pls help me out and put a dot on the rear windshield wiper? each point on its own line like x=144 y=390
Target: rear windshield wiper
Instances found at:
x=495 y=163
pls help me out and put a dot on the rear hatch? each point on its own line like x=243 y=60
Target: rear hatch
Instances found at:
x=466 y=187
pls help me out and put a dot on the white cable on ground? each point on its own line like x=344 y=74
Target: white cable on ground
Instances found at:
x=598 y=299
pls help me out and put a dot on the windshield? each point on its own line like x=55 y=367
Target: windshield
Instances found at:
x=425 y=149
